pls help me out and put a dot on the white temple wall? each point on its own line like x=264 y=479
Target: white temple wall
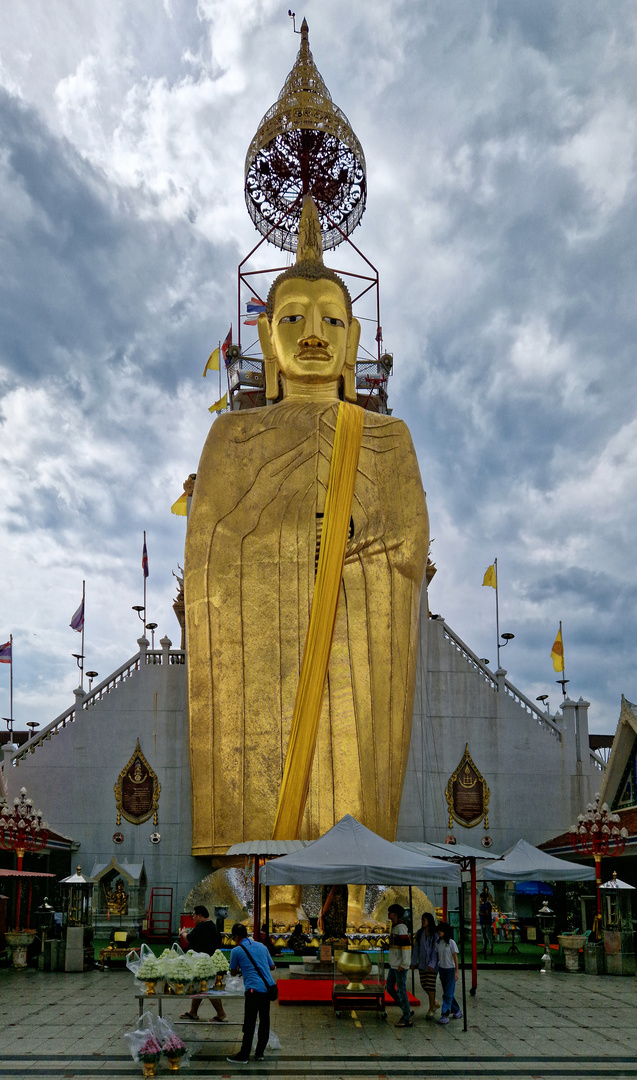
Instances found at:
x=72 y=777
x=538 y=781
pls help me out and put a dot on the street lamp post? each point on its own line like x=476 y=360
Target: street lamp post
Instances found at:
x=22 y=829
x=597 y=834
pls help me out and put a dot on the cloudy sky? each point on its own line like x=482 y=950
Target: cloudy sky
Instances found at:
x=500 y=140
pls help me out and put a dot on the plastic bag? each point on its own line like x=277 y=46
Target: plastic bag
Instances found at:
x=154 y=1036
x=143 y=1043
x=134 y=959
x=274 y=1042
x=234 y=984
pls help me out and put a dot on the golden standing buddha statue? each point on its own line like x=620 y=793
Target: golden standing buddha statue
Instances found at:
x=252 y=550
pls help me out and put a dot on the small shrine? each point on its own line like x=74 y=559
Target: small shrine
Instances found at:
x=119 y=896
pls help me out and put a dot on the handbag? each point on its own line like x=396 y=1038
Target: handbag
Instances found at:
x=272 y=989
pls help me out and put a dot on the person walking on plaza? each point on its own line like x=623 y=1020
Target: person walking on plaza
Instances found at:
x=204 y=938
x=425 y=957
x=486 y=920
x=254 y=962
x=448 y=970
x=399 y=963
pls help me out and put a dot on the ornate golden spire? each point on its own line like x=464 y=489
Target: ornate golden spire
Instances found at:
x=310 y=246
x=305 y=145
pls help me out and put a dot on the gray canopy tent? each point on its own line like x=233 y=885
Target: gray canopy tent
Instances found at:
x=523 y=862
x=351 y=854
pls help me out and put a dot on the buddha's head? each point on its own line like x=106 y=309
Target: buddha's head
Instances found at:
x=308 y=336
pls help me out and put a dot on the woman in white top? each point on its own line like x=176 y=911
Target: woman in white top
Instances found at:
x=447 y=951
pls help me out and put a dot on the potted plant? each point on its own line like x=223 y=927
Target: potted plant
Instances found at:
x=221 y=966
x=174 y=1049
x=149 y=971
x=149 y=1055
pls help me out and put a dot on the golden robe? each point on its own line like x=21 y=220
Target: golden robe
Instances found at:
x=251 y=551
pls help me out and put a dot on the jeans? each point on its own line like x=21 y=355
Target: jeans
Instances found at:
x=487 y=937
x=256 y=1004
x=448 y=980
x=396 y=987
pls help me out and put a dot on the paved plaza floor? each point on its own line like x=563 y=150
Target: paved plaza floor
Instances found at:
x=520 y=1024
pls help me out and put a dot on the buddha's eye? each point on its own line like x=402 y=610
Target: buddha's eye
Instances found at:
x=290 y=318
x=333 y=322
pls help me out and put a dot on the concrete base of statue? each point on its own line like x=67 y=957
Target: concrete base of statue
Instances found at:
x=572 y=943
x=19 y=941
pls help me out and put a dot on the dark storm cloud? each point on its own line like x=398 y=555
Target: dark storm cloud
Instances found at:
x=86 y=275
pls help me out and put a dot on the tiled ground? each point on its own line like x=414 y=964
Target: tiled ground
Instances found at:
x=520 y=1024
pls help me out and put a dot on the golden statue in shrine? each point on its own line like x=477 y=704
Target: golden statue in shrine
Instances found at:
x=116 y=899
x=305 y=548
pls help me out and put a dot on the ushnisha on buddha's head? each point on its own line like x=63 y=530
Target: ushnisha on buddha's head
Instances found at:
x=308 y=336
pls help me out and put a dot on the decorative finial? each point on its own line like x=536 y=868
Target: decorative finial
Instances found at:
x=305 y=145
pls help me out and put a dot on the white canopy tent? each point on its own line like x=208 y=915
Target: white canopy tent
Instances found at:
x=523 y=862
x=351 y=854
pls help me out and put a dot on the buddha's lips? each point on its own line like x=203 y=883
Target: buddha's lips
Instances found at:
x=314 y=354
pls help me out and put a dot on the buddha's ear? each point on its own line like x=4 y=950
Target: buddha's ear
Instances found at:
x=272 y=388
x=353 y=338
x=265 y=337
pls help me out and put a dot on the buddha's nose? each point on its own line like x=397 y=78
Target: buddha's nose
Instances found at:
x=312 y=341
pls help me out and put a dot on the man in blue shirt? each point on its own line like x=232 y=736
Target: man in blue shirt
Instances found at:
x=254 y=962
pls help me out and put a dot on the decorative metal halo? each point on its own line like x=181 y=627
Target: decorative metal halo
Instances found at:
x=303 y=144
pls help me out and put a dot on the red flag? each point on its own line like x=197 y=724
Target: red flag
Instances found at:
x=5 y=653
x=226 y=344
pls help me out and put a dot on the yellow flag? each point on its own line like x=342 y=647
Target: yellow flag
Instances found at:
x=220 y=405
x=213 y=362
x=490 y=578
x=181 y=506
x=557 y=652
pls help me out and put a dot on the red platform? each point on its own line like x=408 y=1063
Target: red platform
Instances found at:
x=317 y=992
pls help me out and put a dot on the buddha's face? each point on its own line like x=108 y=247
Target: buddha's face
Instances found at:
x=311 y=335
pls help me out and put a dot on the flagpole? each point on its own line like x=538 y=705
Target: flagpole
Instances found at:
x=219 y=370
x=11 y=683
x=83 y=624
x=563 y=680
x=144 y=576
x=497 y=611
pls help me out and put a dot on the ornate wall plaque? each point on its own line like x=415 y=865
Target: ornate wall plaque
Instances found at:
x=137 y=791
x=467 y=794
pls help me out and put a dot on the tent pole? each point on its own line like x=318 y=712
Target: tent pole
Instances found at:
x=267 y=908
x=411 y=938
x=464 y=988
x=474 y=928
x=256 y=931
x=444 y=903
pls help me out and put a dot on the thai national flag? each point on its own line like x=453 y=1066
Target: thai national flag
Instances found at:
x=145 y=559
x=77 y=622
x=5 y=653
x=254 y=308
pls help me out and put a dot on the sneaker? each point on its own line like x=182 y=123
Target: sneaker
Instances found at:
x=238 y=1060
x=259 y=1057
x=444 y=1020
x=404 y=1023
x=457 y=1015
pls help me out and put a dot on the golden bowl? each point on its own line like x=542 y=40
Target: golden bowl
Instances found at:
x=356 y=966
